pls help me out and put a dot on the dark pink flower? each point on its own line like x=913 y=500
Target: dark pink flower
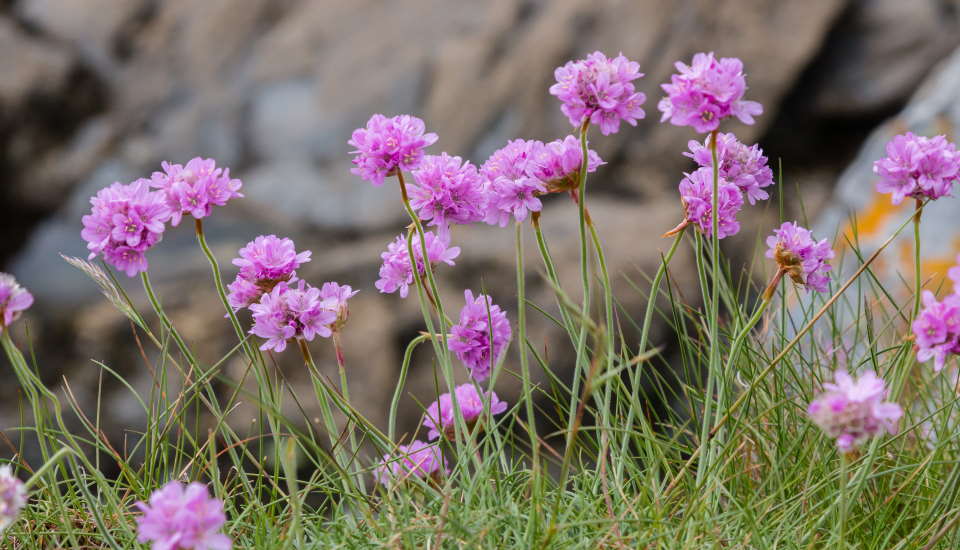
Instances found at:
x=439 y=417
x=470 y=338
x=264 y=262
x=746 y=167
x=14 y=300
x=509 y=185
x=707 y=91
x=804 y=259
x=557 y=164
x=334 y=297
x=919 y=167
x=396 y=272
x=601 y=90
x=386 y=145
x=696 y=194
x=418 y=459
x=447 y=190
x=937 y=329
x=195 y=188
x=287 y=313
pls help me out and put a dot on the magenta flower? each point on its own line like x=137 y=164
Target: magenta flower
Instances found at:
x=182 y=517
x=741 y=165
x=13 y=496
x=418 y=459
x=510 y=188
x=852 y=411
x=696 y=194
x=937 y=329
x=124 y=222
x=706 y=92
x=387 y=145
x=334 y=297
x=469 y=339
x=601 y=90
x=917 y=166
x=396 y=272
x=800 y=256
x=195 y=188
x=288 y=312
x=14 y=300
x=439 y=417
x=447 y=190
x=557 y=164
x=264 y=262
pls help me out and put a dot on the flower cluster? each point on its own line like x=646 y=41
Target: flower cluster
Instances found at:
x=937 y=329
x=396 y=272
x=418 y=459
x=14 y=300
x=387 y=145
x=738 y=164
x=289 y=312
x=852 y=411
x=334 y=297
x=195 y=188
x=13 y=496
x=447 y=190
x=600 y=90
x=182 y=517
x=508 y=184
x=440 y=417
x=557 y=164
x=264 y=262
x=707 y=91
x=919 y=167
x=801 y=257
x=696 y=194
x=470 y=338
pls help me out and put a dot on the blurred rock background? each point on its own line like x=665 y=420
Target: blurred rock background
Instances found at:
x=97 y=91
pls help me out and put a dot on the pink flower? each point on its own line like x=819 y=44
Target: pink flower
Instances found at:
x=601 y=90
x=418 y=459
x=13 y=496
x=802 y=258
x=396 y=272
x=918 y=167
x=334 y=297
x=124 y=222
x=186 y=518
x=741 y=165
x=706 y=92
x=14 y=300
x=195 y=188
x=447 y=190
x=937 y=329
x=387 y=145
x=852 y=411
x=264 y=262
x=510 y=188
x=289 y=312
x=557 y=164
x=470 y=338
x=440 y=414
x=696 y=194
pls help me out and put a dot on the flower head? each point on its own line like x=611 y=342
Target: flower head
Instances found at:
x=182 y=517
x=396 y=272
x=334 y=297
x=741 y=165
x=288 y=312
x=509 y=186
x=447 y=190
x=601 y=90
x=470 y=338
x=264 y=262
x=937 y=329
x=917 y=166
x=195 y=188
x=124 y=222
x=707 y=91
x=14 y=300
x=13 y=496
x=418 y=459
x=386 y=145
x=852 y=411
x=696 y=194
x=800 y=256
x=557 y=164
x=439 y=417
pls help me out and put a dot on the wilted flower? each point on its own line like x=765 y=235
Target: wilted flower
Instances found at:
x=13 y=496
x=917 y=166
x=601 y=90
x=852 y=411
x=470 y=338
x=696 y=194
x=706 y=92
x=440 y=414
x=418 y=459
x=14 y=300
x=288 y=312
x=800 y=256
x=746 y=167
x=334 y=297
x=447 y=190
x=195 y=188
x=387 y=145
x=557 y=164
x=186 y=518
x=937 y=329
x=396 y=272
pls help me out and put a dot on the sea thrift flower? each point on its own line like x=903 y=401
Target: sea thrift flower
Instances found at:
x=511 y=190
x=800 y=256
x=696 y=194
x=601 y=90
x=124 y=222
x=387 y=145
x=418 y=459
x=707 y=91
x=195 y=188
x=447 y=190
x=853 y=410
x=14 y=300
x=182 y=517
x=291 y=312
x=334 y=297
x=264 y=262
x=557 y=164
x=13 y=496
x=741 y=165
x=917 y=166
x=396 y=272
x=440 y=414
x=470 y=338
x=937 y=329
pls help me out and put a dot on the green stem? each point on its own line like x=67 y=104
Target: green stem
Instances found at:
x=401 y=383
x=527 y=385
x=51 y=462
